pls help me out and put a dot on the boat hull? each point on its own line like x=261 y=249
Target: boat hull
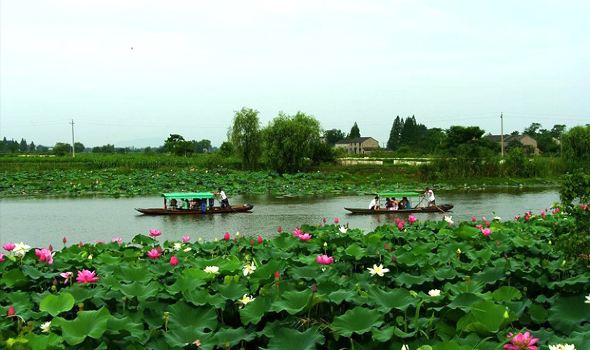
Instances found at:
x=437 y=209
x=240 y=208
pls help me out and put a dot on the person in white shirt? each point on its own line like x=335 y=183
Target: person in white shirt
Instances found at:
x=224 y=200
x=429 y=195
x=374 y=203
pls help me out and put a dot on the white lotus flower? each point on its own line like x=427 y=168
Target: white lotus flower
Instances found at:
x=45 y=327
x=212 y=269
x=246 y=299
x=342 y=229
x=249 y=269
x=434 y=292
x=497 y=218
x=459 y=251
x=177 y=246
x=449 y=219
x=405 y=347
x=186 y=250
x=562 y=347
x=587 y=299
x=20 y=249
x=377 y=270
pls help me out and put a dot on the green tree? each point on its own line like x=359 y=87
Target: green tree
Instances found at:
x=32 y=147
x=176 y=144
x=576 y=146
x=333 y=135
x=289 y=140
x=354 y=132
x=79 y=147
x=532 y=129
x=23 y=146
x=202 y=146
x=246 y=137
x=395 y=134
x=226 y=149
x=558 y=130
x=108 y=148
x=62 y=149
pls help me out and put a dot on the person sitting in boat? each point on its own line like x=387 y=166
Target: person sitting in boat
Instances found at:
x=404 y=203
x=394 y=204
x=388 y=203
x=374 y=203
x=224 y=200
x=173 y=203
x=429 y=195
x=185 y=204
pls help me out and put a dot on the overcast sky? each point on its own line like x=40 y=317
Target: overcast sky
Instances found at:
x=134 y=71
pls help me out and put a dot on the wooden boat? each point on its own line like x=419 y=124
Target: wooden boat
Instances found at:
x=442 y=208
x=202 y=204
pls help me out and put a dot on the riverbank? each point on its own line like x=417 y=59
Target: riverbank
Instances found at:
x=325 y=180
x=430 y=285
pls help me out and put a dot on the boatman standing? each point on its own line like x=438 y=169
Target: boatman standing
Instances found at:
x=224 y=200
x=429 y=195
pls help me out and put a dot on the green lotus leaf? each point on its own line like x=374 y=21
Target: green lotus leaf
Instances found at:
x=567 y=313
x=129 y=273
x=385 y=334
x=355 y=251
x=190 y=279
x=128 y=328
x=227 y=338
x=291 y=339
x=232 y=291
x=139 y=290
x=87 y=324
x=340 y=295
x=80 y=292
x=538 y=313
x=464 y=301
x=185 y=315
x=14 y=278
x=391 y=299
x=309 y=272
x=54 y=304
x=506 y=293
x=484 y=317
x=359 y=320
x=293 y=301
x=44 y=342
x=253 y=312
x=406 y=279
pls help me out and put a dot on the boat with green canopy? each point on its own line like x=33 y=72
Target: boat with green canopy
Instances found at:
x=406 y=208
x=193 y=203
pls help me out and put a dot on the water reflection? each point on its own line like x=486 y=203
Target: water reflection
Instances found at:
x=44 y=221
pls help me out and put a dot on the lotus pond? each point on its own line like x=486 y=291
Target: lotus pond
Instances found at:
x=425 y=284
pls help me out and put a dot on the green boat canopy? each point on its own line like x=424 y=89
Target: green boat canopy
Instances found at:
x=188 y=195
x=399 y=194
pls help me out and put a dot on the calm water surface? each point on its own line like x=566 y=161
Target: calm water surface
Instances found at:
x=40 y=222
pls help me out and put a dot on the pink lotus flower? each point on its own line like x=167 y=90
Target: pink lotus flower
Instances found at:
x=324 y=220
x=173 y=260
x=65 y=240
x=324 y=259
x=486 y=232
x=412 y=219
x=1 y=257
x=117 y=240
x=522 y=342
x=186 y=239
x=259 y=239
x=397 y=221
x=226 y=236
x=277 y=275
x=305 y=237
x=297 y=232
x=336 y=221
x=153 y=254
x=50 y=248
x=280 y=229
x=517 y=217
x=67 y=276
x=44 y=255
x=487 y=223
x=473 y=219
x=543 y=214
x=86 y=276
x=556 y=210
x=9 y=247
x=400 y=226
x=584 y=206
x=155 y=233
x=11 y=311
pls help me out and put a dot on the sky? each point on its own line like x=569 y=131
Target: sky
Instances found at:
x=132 y=72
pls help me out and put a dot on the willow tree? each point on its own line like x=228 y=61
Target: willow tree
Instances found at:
x=290 y=140
x=245 y=137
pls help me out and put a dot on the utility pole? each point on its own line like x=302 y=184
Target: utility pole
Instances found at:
x=73 y=143
x=501 y=133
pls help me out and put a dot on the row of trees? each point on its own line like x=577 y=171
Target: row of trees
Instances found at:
x=13 y=146
x=286 y=144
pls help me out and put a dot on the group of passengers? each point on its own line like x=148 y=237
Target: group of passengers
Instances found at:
x=404 y=203
x=200 y=203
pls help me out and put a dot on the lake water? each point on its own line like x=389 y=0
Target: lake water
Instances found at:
x=43 y=221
